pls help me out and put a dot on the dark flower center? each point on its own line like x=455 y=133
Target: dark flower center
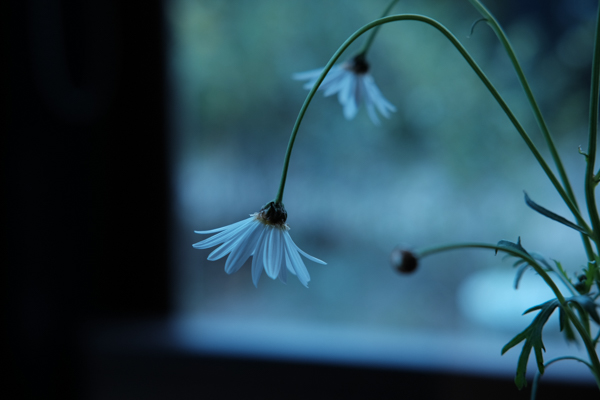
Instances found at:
x=273 y=213
x=359 y=65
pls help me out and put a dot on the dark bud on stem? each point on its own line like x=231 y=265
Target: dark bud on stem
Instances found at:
x=273 y=213
x=581 y=286
x=404 y=261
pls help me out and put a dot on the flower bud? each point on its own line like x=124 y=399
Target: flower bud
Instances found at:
x=403 y=261
x=581 y=284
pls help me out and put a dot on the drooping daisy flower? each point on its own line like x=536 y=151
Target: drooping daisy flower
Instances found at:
x=265 y=237
x=353 y=83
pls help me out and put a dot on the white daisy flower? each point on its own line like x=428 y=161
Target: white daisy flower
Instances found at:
x=353 y=83
x=265 y=237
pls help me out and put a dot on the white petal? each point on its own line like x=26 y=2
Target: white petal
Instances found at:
x=335 y=72
x=257 y=257
x=288 y=238
x=311 y=258
x=240 y=254
x=347 y=96
x=369 y=103
x=372 y=114
x=226 y=235
x=283 y=274
x=380 y=102
x=350 y=98
x=234 y=242
x=214 y=230
x=296 y=261
x=333 y=81
x=273 y=253
x=345 y=89
x=288 y=262
x=335 y=84
x=308 y=85
x=330 y=79
x=221 y=229
x=225 y=248
x=312 y=74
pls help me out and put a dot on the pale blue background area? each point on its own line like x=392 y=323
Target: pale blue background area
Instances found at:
x=448 y=166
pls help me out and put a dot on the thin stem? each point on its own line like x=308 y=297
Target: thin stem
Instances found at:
x=365 y=48
x=585 y=336
x=590 y=183
x=375 y=24
x=493 y=23
x=472 y=64
x=537 y=377
x=427 y=251
x=565 y=280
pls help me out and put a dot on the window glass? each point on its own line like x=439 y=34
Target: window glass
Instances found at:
x=447 y=166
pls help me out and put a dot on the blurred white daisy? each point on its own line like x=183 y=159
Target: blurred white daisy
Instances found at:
x=353 y=83
x=265 y=237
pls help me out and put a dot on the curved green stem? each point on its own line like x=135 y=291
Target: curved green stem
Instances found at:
x=583 y=333
x=472 y=64
x=365 y=48
x=493 y=23
x=565 y=280
x=537 y=377
x=427 y=251
x=590 y=183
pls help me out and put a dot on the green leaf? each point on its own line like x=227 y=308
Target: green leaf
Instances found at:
x=562 y=271
x=565 y=325
x=519 y=262
x=589 y=275
x=511 y=245
x=519 y=274
x=522 y=263
x=532 y=336
x=515 y=341
x=587 y=304
x=560 y=267
x=475 y=24
x=541 y=259
x=551 y=215
x=538 y=307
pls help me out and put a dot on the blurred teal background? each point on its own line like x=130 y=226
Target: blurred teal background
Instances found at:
x=447 y=166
